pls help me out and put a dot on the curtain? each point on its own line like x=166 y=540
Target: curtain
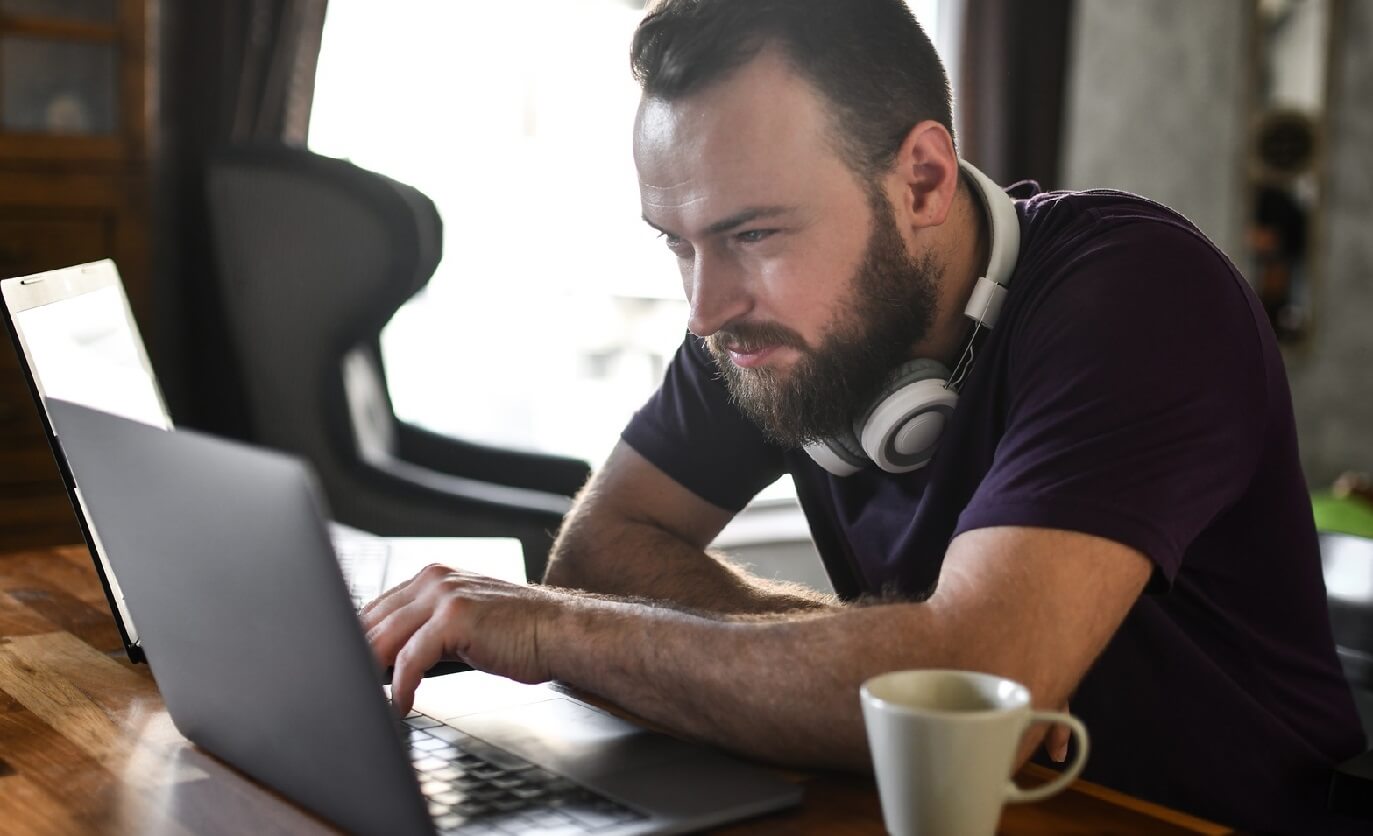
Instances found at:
x=1012 y=71
x=271 y=48
x=231 y=71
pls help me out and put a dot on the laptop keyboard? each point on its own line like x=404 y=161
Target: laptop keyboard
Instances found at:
x=363 y=561
x=474 y=788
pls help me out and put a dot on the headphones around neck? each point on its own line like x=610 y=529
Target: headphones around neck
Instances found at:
x=900 y=431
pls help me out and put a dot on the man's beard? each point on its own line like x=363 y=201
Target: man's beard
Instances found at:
x=890 y=309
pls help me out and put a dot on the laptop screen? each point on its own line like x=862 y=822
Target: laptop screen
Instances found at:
x=81 y=344
x=78 y=341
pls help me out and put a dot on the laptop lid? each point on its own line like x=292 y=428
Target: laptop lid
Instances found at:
x=76 y=338
x=245 y=616
x=261 y=659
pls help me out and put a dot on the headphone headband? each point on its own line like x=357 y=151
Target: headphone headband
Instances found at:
x=1003 y=230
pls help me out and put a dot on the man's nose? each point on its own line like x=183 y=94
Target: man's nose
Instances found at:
x=717 y=294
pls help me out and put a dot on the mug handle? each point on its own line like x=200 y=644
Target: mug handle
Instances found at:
x=1015 y=794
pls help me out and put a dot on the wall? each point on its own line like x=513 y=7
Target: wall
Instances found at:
x=1157 y=105
x=1332 y=377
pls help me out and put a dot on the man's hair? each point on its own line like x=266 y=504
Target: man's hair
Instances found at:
x=869 y=59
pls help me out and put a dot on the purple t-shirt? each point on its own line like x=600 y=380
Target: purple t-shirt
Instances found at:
x=1132 y=390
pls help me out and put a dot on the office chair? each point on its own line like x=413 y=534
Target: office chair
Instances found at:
x=314 y=255
x=1347 y=563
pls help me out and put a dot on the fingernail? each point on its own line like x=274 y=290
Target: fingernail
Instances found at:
x=1060 y=754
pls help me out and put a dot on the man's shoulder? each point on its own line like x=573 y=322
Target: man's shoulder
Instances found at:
x=1081 y=218
x=1114 y=281
x=1123 y=249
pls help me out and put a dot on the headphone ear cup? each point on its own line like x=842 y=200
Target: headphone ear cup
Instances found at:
x=841 y=455
x=901 y=431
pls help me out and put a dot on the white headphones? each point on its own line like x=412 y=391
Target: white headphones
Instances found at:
x=901 y=429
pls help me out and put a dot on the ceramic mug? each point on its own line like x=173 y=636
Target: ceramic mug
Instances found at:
x=943 y=744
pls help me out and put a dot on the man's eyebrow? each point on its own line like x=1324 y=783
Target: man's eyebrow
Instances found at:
x=736 y=220
x=655 y=226
x=746 y=216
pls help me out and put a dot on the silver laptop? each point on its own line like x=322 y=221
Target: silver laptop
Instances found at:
x=247 y=624
x=77 y=340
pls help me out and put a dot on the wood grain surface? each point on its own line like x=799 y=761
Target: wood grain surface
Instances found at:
x=87 y=747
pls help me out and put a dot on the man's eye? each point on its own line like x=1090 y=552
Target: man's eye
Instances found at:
x=753 y=236
x=672 y=241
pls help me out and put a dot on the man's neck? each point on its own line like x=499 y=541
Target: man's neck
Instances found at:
x=968 y=248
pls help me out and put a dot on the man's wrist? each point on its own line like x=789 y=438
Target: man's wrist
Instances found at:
x=563 y=628
x=580 y=633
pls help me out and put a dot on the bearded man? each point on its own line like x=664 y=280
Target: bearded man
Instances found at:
x=1088 y=481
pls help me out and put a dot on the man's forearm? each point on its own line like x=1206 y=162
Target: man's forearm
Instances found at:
x=784 y=690
x=637 y=560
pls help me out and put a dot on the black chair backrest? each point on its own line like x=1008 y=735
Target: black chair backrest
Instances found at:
x=315 y=255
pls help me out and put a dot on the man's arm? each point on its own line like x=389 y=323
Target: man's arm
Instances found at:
x=635 y=532
x=1035 y=605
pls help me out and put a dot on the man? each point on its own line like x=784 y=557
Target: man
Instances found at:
x=1115 y=513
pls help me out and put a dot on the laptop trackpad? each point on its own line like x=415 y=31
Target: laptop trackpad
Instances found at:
x=574 y=738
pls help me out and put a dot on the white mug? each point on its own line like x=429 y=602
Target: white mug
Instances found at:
x=943 y=744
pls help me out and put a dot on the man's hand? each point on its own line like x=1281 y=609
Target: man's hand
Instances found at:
x=443 y=613
x=1056 y=741
x=1053 y=736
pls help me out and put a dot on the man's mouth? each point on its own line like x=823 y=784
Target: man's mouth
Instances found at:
x=747 y=357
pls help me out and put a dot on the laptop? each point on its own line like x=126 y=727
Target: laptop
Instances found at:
x=77 y=340
x=248 y=627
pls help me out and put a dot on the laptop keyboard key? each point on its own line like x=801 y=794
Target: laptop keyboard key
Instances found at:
x=472 y=787
x=428 y=744
x=448 y=734
x=471 y=809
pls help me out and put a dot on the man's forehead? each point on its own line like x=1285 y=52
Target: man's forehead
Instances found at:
x=747 y=137
x=756 y=102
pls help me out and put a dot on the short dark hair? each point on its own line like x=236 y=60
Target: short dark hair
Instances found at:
x=869 y=59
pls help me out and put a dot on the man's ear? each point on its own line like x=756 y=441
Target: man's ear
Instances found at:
x=925 y=176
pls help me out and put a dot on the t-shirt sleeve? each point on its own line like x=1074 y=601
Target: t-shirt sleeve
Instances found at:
x=1136 y=401
x=691 y=431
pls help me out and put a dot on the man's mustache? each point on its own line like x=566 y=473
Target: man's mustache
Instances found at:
x=748 y=337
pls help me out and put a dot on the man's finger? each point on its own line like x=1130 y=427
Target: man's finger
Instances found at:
x=390 y=601
x=401 y=595
x=375 y=602
x=392 y=632
x=1057 y=742
x=424 y=648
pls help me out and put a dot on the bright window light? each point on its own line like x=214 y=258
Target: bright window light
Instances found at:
x=555 y=309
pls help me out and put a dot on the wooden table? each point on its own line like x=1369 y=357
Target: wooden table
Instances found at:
x=86 y=745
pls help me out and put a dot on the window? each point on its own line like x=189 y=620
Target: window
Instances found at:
x=555 y=309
